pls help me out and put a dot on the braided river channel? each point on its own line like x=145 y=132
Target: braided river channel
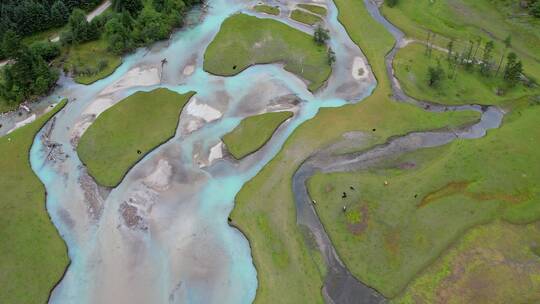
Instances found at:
x=162 y=235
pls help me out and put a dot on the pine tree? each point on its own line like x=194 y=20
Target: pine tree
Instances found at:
x=435 y=75
x=78 y=26
x=485 y=66
x=450 y=47
x=513 y=70
x=11 y=43
x=132 y=6
x=59 y=13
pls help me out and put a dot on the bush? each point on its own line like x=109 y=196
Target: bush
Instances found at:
x=331 y=56
x=46 y=50
x=535 y=9
x=435 y=75
x=80 y=29
x=118 y=37
x=102 y=64
x=150 y=26
x=321 y=35
x=391 y=3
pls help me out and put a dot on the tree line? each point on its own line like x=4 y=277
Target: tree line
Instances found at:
x=477 y=56
x=29 y=75
x=133 y=23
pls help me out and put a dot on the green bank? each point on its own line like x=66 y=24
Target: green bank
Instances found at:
x=32 y=256
x=289 y=266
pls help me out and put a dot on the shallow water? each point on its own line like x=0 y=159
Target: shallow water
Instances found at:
x=162 y=236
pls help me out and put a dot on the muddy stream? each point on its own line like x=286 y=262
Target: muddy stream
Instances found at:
x=340 y=285
x=161 y=235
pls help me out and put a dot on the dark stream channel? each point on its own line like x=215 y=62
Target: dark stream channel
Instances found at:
x=340 y=285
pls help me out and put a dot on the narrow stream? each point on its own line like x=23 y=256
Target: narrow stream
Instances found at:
x=340 y=285
x=162 y=236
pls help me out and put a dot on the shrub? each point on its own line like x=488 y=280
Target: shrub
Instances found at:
x=321 y=35
x=391 y=3
x=46 y=50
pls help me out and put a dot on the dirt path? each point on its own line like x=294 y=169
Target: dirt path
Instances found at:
x=93 y=14
x=98 y=10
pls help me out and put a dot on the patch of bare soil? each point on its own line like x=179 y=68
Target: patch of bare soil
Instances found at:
x=460 y=187
x=131 y=217
x=360 y=227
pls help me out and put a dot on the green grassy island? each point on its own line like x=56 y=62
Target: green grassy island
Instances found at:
x=305 y=17
x=125 y=133
x=316 y=9
x=245 y=40
x=263 y=8
x=253 y=132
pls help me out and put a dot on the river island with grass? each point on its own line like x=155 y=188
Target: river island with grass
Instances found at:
x=230 y=151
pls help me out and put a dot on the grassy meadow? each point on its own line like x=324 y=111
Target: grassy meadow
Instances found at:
x=391 y=232
x=253 y=132
x=305 y=17
x=466 y=87
x=316 y=9
x=263 y=8
x=493 y=263
x=33 y=256
x=246 y=40
x=126 y=132
x=91 y=61
x=466 y=20
x=289 y=268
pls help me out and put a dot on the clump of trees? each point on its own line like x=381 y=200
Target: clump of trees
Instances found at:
x=133 y=23
x=321 y=36
x=79 y=29
x=476 y=56
x=533 y=6
x=435 y=75
x=27 y=17
x=29 y=75
x=513 y=70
